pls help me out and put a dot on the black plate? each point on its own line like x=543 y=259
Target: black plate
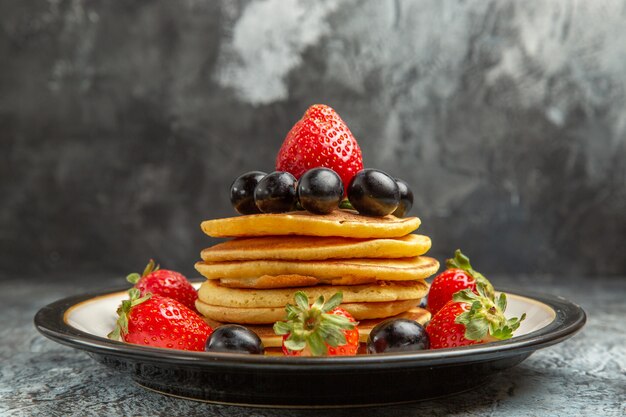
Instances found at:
x=272 y=381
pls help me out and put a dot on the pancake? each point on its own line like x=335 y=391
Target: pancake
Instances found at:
x=270 y=339
x=212 y=293
x=291 y=281
x=270 y=315
x=402 y=269
x=342 y=223
x=306 y=248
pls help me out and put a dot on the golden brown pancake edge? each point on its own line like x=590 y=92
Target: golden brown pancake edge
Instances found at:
x=306 y=248
x=341 y=223
x=401 y=269
x=210 y=292
x=269 y=315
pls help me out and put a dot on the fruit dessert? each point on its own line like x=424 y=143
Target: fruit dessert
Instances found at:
x=322 y=260
x=298 y=234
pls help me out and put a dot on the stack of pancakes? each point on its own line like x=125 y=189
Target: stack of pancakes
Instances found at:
x=374 y=261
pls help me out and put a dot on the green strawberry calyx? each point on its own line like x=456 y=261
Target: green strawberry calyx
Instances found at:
x=460 y=261
x=150 y=268
x=485 y=318
x=313 y=326
x=121 y=325
x=346 y=205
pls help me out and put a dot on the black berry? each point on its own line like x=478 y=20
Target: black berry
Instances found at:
x=320 y=190
x=234 y=338
x=242 y=192
x=276 y=193
x=406 y=199
x=397 y=335
x=373 y=193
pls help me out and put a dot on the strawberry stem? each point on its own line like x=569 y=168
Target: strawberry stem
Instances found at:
x=151 y=267
x=135 y=277
x=460 y=261
x=313 y=326
x=346 y=205
x=121 y=325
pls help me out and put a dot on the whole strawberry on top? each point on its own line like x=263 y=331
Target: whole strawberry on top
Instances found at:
x=157 y=321
x=166 y=283
x=471 y=318
x=458 y=276
x=324 y=328
x=320 y=139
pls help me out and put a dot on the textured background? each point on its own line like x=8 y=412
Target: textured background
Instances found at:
x=123 y=123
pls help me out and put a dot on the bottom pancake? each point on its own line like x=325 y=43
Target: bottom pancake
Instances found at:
x=271 y=340
x=270 y=315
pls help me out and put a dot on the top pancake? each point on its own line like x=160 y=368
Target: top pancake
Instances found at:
x=308 y=248
x=340 y=223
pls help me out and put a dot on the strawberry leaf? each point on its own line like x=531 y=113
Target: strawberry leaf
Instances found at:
x=281 y=328
x=502 y=302
x=302 y=300
x=464 y=296
x=133 y=278
x=333 y=302
x=334 y=337
x=317 y=345
x=460 y=261
x=295 y=344
x=339 y=322
x=502 y=333
x=318 y=304
x=476 y=329
x=292 y=311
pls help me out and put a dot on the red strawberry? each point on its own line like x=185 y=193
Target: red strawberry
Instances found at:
x=158 y=321
x=442 y=330
x=457 y=277
x=471 y=318
x=321 y=329
x=320 y=139
x=166 y=283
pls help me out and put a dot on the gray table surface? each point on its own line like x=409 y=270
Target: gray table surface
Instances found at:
x=585 y=375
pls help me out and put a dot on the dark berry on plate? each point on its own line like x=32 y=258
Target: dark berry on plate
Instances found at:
x=406 y=199
x=276 y=193
x=373 y=193
x=320 y=190
x=234 y=338
x=397 y=335
x=242 y=192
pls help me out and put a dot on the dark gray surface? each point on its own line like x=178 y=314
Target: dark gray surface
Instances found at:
x=584 y=376
x=122 y=124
